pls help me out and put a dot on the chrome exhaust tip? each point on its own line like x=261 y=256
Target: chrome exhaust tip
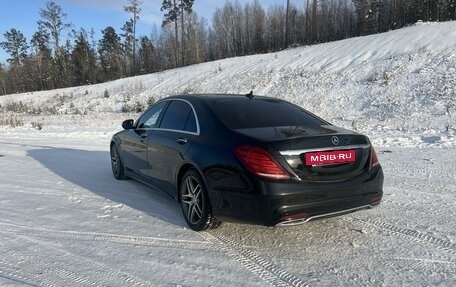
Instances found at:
x=299 y=221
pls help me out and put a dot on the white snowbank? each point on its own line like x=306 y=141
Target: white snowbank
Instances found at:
x=398 y=87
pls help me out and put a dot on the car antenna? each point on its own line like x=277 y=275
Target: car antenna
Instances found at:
x=250 y=95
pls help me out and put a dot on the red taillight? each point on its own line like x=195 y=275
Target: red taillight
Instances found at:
x=259 y=162
x=374 y=158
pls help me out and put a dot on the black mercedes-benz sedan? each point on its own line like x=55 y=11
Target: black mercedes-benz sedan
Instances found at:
x=247 y=158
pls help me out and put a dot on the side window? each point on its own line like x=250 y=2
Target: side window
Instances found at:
x=190 y=125
x=149 y=119
x=177 y=116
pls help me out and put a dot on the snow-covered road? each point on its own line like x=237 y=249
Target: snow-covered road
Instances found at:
x=65 y=221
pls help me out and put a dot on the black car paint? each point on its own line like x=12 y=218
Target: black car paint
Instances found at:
x=161 y=157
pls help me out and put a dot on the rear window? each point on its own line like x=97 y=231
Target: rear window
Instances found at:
x=260 y=112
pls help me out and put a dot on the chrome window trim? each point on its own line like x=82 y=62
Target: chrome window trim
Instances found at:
x=197 y=133
x=176 y=131
x=301 y=151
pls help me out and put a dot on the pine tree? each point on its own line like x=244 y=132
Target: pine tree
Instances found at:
x=368 y=14
x=259 y=17
x=146 y=56
x=52 y=19
x=276 y=37
x=134 y=9
x=42 y=57
x=185 y=6
x=83 y=61
x=174 y=12
x=110 y=51
x=287 y=24
x=16 y=46
x=171 y=16
x=128 y=44
x=196 y=38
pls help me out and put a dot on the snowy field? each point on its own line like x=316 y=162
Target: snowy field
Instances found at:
x=65 y=221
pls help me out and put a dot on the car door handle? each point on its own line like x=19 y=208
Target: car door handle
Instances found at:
x=182 y=140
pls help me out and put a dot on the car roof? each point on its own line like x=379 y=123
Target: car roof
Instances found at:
x=213 y=98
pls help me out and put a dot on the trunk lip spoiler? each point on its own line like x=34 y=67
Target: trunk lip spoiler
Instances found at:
x=301 y=151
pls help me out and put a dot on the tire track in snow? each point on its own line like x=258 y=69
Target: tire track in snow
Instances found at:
x=40 y=269
x=419 y=263
x=426 y=267
x=14 y=273
x=423 y=204
x=420 y=189
x=15 y=278
x=359 y=271
x=62 y=277
x=27 y=233
x=74 y=277
x=259 y=266
x=424 y=188
x=410 y=234
x=108 y=237
x=411 y=170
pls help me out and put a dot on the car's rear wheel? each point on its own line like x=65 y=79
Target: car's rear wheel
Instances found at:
x=195 y=203
x=116 y=164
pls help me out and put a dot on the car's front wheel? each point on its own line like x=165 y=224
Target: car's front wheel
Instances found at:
x=195 y=203
x=116 y=164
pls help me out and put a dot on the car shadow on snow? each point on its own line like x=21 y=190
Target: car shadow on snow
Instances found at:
x=91 y=170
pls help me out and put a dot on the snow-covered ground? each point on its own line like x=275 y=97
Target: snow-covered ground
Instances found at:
x=65 y=221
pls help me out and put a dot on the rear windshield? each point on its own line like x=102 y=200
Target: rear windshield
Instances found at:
x=244 y=113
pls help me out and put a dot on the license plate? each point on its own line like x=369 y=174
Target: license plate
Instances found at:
x=330 y=157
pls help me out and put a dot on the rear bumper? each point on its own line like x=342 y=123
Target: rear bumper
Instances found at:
x=292 y=203
x=301 y=220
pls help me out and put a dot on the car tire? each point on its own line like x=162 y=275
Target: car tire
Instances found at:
x=195 y=202
x=118 y=169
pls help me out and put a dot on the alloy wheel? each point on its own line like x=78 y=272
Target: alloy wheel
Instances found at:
x=115 y=161
x=116 y=164
x=192 y=199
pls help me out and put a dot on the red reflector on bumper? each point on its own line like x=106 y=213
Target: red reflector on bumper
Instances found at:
x=376 y=199
x=294 y=216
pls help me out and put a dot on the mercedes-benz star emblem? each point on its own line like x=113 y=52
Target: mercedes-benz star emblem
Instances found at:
x=335 y=140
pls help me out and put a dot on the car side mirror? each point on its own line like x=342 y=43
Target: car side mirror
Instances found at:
x=127 y=124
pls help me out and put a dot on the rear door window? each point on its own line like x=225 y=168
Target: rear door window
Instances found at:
x=190 y=125
x=179 y=116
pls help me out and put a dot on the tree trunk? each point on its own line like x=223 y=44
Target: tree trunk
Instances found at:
x=287 y=24
x=176 y=34
x=182 y=35
x=314 y=21
x=134 y=43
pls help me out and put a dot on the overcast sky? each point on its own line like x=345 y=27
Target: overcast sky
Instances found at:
x=98 y=14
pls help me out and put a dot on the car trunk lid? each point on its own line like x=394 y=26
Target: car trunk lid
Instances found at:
x=317 y=154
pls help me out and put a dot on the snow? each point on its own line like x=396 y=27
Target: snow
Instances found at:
x=65 y=221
